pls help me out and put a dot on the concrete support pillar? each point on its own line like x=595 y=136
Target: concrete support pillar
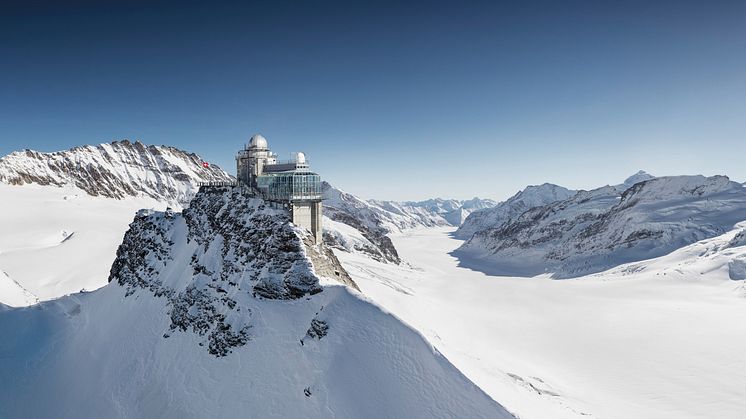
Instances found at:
x=316 y=223
x=308 y=215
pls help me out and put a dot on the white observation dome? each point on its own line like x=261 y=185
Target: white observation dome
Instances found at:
x=300 y=158
x=258 y=141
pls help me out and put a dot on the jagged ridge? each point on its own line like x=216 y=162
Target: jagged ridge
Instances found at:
x=114 y=170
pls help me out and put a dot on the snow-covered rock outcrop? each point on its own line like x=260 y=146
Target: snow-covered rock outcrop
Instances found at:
x=224 y=311
x=595 y=230
x=114 y=170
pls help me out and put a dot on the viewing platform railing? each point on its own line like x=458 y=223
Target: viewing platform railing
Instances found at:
x=217 y=183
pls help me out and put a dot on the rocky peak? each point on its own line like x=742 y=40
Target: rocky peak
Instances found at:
x=638 y=177
x=210 y=262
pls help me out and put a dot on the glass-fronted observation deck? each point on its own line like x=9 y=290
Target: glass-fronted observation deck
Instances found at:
x=290 y=186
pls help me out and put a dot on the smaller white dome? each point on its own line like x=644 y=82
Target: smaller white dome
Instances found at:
x=300 y=157
x=258 y=141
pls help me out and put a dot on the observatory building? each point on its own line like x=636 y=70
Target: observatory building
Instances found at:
x=286 y=184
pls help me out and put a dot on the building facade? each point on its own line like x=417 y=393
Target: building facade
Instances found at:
x=287 y=184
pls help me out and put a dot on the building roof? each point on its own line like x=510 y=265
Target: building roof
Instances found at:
x=258 y=141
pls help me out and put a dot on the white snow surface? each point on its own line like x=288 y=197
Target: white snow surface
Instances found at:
x=13 y=294
x=161 y=340
x=661 y=338
x=59 y=240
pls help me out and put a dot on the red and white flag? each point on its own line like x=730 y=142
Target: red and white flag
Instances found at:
x=205 y=164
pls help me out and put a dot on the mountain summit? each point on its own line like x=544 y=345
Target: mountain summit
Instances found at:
x=638 y=177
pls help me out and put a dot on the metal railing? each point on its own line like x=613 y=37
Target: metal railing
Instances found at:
x=217 y=183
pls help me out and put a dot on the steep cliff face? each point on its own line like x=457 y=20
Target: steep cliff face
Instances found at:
x=114 y=170
x=226 y=310
x=596 y=230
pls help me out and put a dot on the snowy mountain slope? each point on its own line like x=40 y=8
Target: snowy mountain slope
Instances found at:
x=595 y=230
x=723 y=256
x=58 y=240
x=219 y=312
x=13 y=294
x=658 y=338
x=114 y=170
x=368 y=221
x=344 y=236
x=532 y=196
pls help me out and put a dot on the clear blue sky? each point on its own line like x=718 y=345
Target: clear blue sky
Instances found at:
x=391 y=101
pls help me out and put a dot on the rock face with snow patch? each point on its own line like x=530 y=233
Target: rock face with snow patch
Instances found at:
x=737 y=269
x=115 y=170
x=596 y=230
x=222 y=312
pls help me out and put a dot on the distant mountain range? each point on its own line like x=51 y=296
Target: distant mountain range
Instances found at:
x=357 y=225
x=573 y=233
